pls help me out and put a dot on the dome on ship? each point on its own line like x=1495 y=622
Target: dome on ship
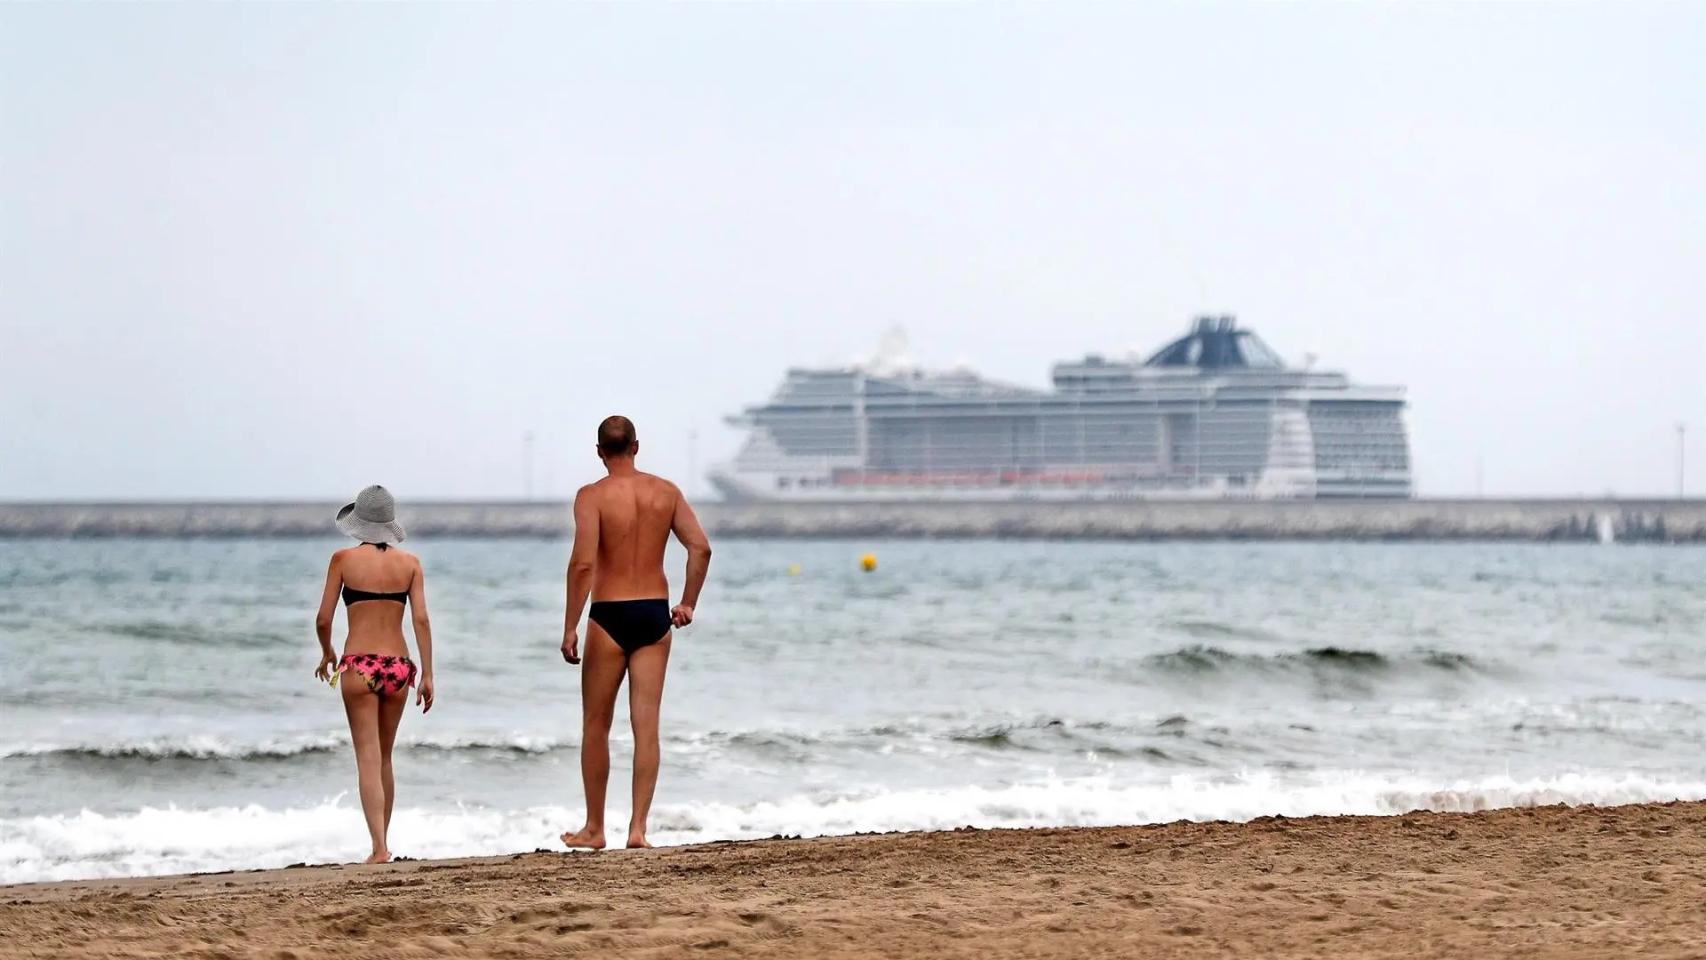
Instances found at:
x=1216 y=343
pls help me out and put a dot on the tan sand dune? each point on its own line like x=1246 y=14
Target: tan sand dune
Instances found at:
x=1547 y=882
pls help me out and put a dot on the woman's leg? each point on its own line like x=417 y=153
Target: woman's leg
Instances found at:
x=391 y=708
x=646 y=668
x=601 y=678
x=362 y=707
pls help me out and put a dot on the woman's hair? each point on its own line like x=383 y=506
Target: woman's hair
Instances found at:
x=382 y=546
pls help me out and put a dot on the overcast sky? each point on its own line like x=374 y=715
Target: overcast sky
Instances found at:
x=288 y=250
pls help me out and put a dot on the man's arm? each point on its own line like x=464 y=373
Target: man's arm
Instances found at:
x=583 y=564
x=692 y=536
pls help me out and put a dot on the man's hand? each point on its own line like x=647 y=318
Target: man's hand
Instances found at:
x=682 y=615
x=571 y=647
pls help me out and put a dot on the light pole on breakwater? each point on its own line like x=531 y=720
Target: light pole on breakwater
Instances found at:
x=1681 y=459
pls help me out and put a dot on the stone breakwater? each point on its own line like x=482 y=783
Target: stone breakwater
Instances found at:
x=1586 y=520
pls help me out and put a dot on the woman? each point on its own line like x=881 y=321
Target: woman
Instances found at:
x=377 y=581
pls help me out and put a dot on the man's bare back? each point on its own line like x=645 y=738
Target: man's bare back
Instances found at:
x=634 y=515
x=622 y=525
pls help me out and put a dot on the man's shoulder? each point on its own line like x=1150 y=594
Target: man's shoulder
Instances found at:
x=595 y=491
x=589 y=496
x=659 y=483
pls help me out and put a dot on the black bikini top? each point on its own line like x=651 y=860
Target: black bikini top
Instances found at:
x=352 y=595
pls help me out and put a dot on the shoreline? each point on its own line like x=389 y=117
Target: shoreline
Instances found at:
x=1533 y=882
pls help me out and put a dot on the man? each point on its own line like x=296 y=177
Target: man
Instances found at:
x=622 y=524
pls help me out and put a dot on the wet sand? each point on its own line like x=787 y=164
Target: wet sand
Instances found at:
x=1544 y=882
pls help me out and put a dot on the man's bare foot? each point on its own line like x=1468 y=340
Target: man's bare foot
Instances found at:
x=586 y=838
x=638 y=841
x=380 y=856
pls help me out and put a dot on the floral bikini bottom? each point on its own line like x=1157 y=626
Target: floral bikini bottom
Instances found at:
x=382 y=674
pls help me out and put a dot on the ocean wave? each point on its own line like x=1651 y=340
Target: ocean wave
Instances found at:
x=199 y=635
x=1054 y=736
x=1218 y=630
x=1167 y=739
x=175 y=840
x=1201 y=658
x=203 y=747
x=1040 y=734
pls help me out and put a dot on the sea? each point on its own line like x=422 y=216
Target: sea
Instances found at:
x=158 y=712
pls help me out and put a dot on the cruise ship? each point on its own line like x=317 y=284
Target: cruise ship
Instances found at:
x=1215 y=414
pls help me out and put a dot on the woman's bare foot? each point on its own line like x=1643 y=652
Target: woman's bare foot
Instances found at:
x=638 y=841
x=379 y=856
x=586 y=838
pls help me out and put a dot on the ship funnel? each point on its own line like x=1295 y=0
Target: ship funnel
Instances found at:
x=1216 y=343
x=1224 y=323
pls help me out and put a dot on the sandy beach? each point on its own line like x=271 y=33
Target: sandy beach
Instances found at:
x=1539 y=882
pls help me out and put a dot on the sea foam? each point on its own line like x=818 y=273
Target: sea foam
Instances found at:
x=176 y=840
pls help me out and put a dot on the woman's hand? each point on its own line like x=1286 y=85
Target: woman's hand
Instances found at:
x=328 y=667
x=423 y=693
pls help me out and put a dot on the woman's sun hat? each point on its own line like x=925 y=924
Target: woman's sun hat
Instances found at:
x=372 y=517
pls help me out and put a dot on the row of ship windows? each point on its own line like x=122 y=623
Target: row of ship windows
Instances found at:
x=934 y=457
x=1257 y=432
x=1342 y=443
x=792 y=434
x=1356 y=430
x=1004 y=446
x=1234 y=479
x=1207 y=464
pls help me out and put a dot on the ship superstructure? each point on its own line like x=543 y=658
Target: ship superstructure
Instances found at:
x=1213 y=414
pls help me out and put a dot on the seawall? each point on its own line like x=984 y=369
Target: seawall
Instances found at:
x=1585 y=520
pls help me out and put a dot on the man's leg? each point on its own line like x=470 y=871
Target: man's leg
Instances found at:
x=602 y=667
x=646 y=668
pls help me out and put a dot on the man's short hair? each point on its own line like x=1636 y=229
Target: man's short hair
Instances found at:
x=616 y=436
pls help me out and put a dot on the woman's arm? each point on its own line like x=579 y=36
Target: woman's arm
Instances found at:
x=323 y=619
x=423 y=637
